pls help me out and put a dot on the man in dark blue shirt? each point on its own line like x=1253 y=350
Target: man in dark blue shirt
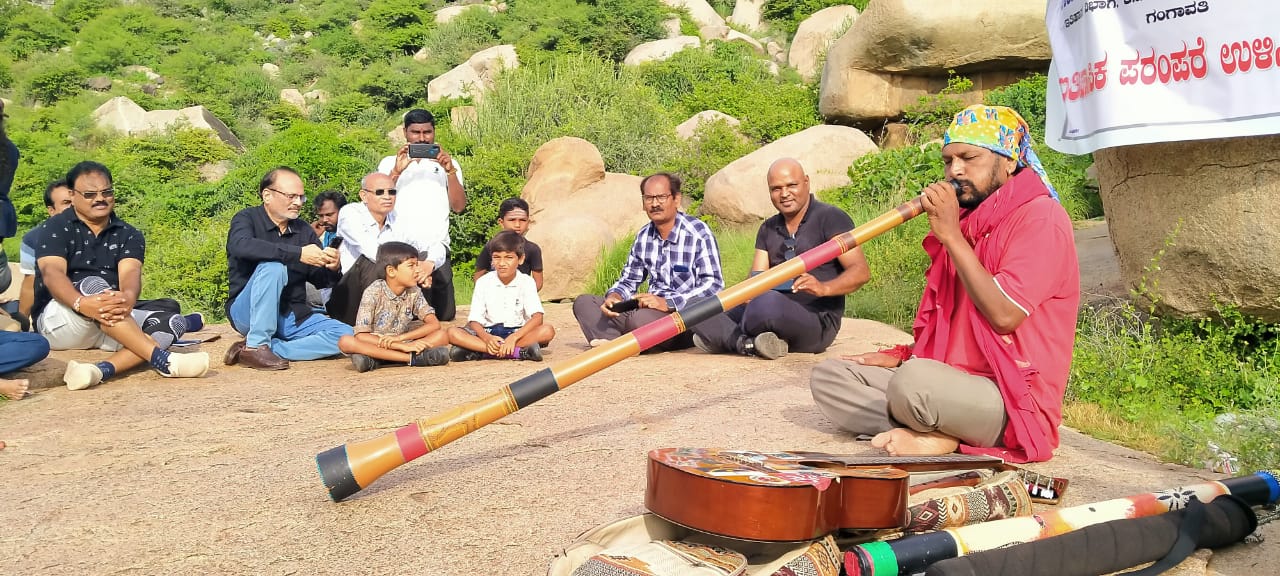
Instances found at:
x=271 y=255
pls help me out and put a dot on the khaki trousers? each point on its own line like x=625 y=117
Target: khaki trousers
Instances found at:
x=923 y=395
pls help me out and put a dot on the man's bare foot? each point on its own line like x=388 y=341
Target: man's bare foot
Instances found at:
x=907 y=442
x=13 y=389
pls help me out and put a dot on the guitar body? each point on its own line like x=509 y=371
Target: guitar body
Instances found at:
x=784 y=496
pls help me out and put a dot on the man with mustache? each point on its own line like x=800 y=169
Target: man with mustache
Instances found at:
x=674 y=251
x=271 y=255
x=802 y=315
x=996 y=323
x=89 y=275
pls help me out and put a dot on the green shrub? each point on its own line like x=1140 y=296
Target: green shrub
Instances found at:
x=930 y=116
x=395 y=85
x=395 y=28
x=53 y=78
x=715 y=145
x=6 y=75
x=788 y=14
x=187 y=261
x=31 y=30
x=1027 y=96
x=74 y=13
x=452 y=43
x=346 y=109
x=605 y=28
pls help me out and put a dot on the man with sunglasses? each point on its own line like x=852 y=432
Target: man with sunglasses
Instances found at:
x=89 y=275
x=363 y=227
x=271 y=255
x=798 y=316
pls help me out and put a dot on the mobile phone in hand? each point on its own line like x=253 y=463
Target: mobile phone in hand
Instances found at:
x=624 y=306
x=431 y=151
x=335 y=242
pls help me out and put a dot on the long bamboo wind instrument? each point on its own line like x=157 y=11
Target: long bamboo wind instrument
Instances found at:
x=350 y=468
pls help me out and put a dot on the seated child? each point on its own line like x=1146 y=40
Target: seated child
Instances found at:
x=387 y=309
x=506 y=315
x=513 y=215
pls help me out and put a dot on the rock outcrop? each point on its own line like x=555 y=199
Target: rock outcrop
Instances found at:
x=475 y=76
x=688 y=129
x=124 y=115
x=444 y=15
x=815 y=35
x=657 y=50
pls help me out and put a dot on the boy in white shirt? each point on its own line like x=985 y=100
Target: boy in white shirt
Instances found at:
x=506 y=314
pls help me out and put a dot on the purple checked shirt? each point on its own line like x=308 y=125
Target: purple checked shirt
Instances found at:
x=684 y=267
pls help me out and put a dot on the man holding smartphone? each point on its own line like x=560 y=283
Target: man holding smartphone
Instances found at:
x=429 y=182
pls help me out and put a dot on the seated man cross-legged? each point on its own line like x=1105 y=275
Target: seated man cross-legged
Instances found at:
x=997 y=320
x=388 y=309
x=89 y=275
x=803 y=315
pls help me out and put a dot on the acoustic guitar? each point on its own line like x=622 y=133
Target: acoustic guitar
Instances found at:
x=796 y=496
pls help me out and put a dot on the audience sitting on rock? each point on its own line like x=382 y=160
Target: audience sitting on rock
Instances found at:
x=394 y=322
x=57 y=197
x=89 y=275
x=271 y=255
x=506 y=319
x=513 y=215
x=363 y=227
x=802 y=315
x=326 y=206
x=997 y=320
x=674 y=251
x=430 y=185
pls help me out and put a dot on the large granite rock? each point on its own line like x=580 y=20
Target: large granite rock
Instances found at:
x=124 y=115
x=747 y=13
x=578 y=211
x=656 y=50
x=899 y=50
x=738 y=193
x=445 y=15
x=1220 y=196
x=475 y=76
x=293 y=97
x=699 y=10
x=688 y=129
x=814 y=35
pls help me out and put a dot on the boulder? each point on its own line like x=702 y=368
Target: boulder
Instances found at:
x=688 y=129
x=1219 y=196
x=713 y=31
x=98 y=83
x=672 y=26
x=815 y=34
x=736 y=36
x=149 y=73
x=444 y=15
x=317 y=96
x=773 y=49
x=899 y=50
x=473 y=77
x=699 y=10
x=578 y=211
x=738 y=193
x=271 y=70
x=747 y=13
x=422 y=55
x=660 y=49
x=293 y=97
x=124 y=115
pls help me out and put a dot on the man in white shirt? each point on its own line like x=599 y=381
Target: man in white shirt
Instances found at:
x=430 y=183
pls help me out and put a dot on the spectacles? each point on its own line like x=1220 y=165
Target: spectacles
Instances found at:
x=300 y=198
x=662 y=199
x=381 y=191
x=91 y=194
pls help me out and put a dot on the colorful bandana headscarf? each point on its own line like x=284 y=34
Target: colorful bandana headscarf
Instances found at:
x=1001 y=130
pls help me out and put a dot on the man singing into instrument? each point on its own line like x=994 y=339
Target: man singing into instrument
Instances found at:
x=996 y=323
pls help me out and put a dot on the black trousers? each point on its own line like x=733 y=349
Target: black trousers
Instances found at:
x=804 y=329
x=440 y=294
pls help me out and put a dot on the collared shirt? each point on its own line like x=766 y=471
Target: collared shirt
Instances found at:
x=27 y=251
x=532 y=258
x=361 y=235
x=254 y=239
x=511 y=305
x=382 y=312
x=684 y=267
x=66 y=236
x=423 y=198
x=821 y=222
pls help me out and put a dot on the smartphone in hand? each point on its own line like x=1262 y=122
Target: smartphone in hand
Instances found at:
x=624 y=306
x=431 y=151
x=335 y=242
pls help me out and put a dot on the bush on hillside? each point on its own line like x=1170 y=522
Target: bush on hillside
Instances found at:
x=30 y=30
x=605 y=28
x=74 y=13
x=52 y=78
x=788 y=14
x=396 y=28
x=714 y=146
x=6 y=75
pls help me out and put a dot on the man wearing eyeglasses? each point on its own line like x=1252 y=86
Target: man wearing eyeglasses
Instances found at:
x=363 y=227
x=674 y=251
x=271 y=255
x=802 y=315
x=89 y=276
x=430 y=184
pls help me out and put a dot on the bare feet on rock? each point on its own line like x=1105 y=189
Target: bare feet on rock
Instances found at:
x=13 y=389
x=907 y=442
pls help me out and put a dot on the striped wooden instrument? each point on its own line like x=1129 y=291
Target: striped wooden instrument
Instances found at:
x=349 y=468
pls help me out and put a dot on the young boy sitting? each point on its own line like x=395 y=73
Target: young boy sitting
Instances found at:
x=513 y=215
x=506 y=315
x=387 y=308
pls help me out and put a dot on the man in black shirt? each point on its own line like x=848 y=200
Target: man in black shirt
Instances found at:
x=799 y=316
x=271 y=255
x=89 y=274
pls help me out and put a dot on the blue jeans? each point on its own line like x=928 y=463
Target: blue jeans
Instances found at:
x=256 y=314
x=21 y=349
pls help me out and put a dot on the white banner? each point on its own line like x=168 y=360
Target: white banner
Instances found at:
x=1137 y=71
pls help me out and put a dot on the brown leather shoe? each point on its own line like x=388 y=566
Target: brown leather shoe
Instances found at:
x=262 y=358
x=233 y=353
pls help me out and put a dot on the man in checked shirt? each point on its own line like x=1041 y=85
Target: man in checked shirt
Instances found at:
x=674 y=251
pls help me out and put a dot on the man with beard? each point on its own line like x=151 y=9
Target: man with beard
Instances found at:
x=674 y=251
x=996 y=323
x=802 y=315
x=271 y=255
x=326 y=205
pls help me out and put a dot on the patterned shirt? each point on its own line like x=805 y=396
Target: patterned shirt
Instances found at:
x=684 y=267
x=382 y=312
x=66 y=236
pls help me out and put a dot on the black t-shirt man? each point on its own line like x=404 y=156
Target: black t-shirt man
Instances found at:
x=66 y=236
x=821 y=222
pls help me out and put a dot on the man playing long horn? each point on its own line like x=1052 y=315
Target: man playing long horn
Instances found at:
x=996 y=323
